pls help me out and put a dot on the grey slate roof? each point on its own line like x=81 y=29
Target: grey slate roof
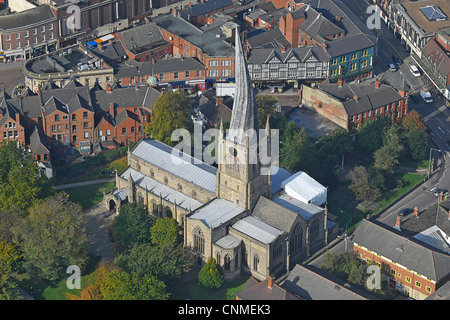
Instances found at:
x=369 y=96
x=125 y=97
x=272 y=38
x=187 y=168
x=274 y=214
x=38 y=142
x=311 y=283
x=217 y=212
x=27 y=17
x=207 y=41
x=357 y=35
x=158 y=188
x=405 y=251
x=142 y=38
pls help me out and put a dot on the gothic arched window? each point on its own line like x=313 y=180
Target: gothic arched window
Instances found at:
x=199 y=241
x=314 y=231
x=227 y=263
x=296 y=239
x=255 y=262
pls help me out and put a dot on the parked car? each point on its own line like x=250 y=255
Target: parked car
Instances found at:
x=396 y=59
x=426 y=96
x=405 y=212
x=438 y=191
x=392 y=67
x=415 y=71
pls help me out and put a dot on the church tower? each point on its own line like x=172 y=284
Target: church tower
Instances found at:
x=241 y=178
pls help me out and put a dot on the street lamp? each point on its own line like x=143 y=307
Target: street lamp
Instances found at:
x=429 y=163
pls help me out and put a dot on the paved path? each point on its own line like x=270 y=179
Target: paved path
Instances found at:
x=98 y=229
x=83 y=183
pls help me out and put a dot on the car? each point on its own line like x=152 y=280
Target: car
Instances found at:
x=415 y=71
x=392 y=67
x=405 y=212
x=396 y=59
x=438 y=191
x=426 y=96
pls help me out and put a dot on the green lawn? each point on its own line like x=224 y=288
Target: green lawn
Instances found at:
x=194 y=291
x=89 y=195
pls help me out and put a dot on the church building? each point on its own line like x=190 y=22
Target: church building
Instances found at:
x=237 y=212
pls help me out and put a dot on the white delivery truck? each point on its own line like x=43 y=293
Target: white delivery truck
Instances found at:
x=426 y=96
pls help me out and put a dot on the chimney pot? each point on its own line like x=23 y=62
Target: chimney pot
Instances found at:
x=398 y=221
x=377 y=83
x=416 y=212
x=340 y=82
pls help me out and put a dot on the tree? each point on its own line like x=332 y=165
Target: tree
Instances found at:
x=165 y=261
x=109 y=282
x=211 y=275
x=418 y=144
x=120 y=285
x=165 y=231
x=132 y=225
x=345 y=267
x=370 y=135
x=414 y=121
x=9 y=257
x=387 y=157
x=52 y=237
x=21 y=182
x=171 y=111
x=266 y=107
x=297 y=151
x=361 y=184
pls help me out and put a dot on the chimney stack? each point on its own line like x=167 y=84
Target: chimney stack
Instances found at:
x=340 y=82
x=270 y=281
x=441 y=196
x=377 y=83
x=283 y=48
x=112 y=110
x=175 y=12
x=398 y=221
x=108 y=88
x=416 y=211
x=448 y=215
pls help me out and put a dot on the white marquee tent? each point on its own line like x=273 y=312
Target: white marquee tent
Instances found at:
x=304 y=188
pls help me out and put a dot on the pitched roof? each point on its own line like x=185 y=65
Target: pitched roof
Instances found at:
x=369 y=96
x=142 y=38
x=125 y=97
x=27 y=17
x=311 y=283
x=407 y=252
x=215 y=213
x=38 y=142
x=187 y=168
x=261 y=55
x=257 y=229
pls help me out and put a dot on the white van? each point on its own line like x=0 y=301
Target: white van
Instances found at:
x=415 y=71
x=426 y=96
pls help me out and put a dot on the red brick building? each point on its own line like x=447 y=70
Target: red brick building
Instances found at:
x=406 y=264
x=12 y=126
x=350 y=104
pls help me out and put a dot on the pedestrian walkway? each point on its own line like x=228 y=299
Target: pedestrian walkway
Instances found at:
x=83 y=183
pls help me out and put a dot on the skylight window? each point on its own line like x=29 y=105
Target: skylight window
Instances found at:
x=433 y=13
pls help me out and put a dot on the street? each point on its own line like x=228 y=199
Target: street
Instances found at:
x=436 y=114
